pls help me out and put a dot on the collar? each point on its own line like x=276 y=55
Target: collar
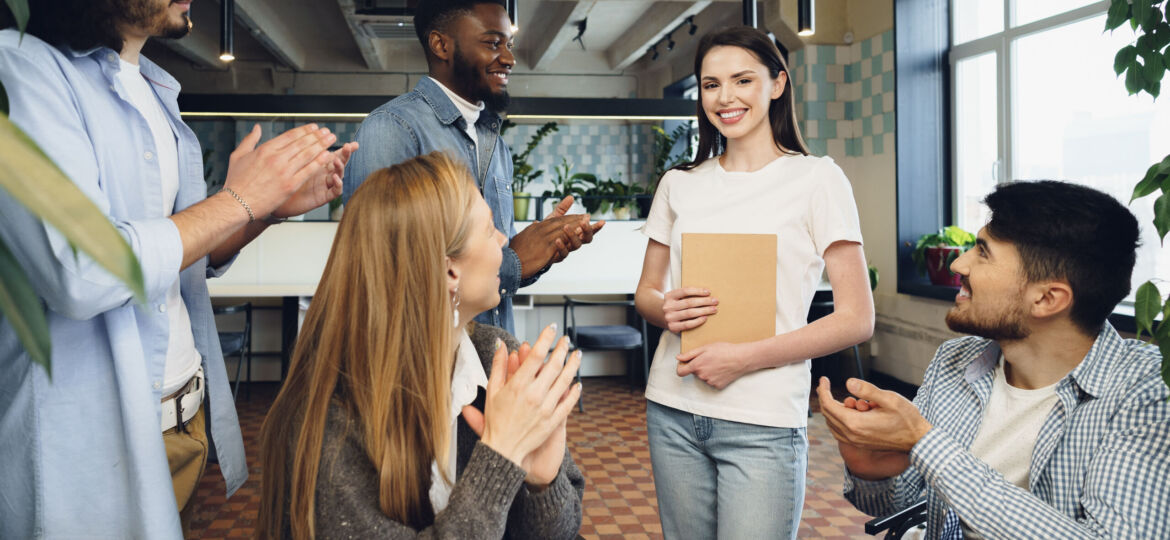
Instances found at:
x=108 y=59
x=467 y=376
x=445 y=110
x=1090 y=376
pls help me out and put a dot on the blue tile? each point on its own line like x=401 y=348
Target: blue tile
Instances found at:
x=816 y=146
x=851 y=110
x=826 y=54
x=815 y=110
x=878 y=144
x=827 y=129
x=888 y=122
x=888 y=40
x=877 y=104
x=867 y=127
x=866 y=49
x=827 y=91
x=818 y=74
x=853 y=147
x=888 y=81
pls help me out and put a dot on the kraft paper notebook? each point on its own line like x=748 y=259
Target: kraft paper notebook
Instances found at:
x=740 y=271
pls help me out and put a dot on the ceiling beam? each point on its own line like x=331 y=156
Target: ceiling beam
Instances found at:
x=266 y=25
x=556 y=28
x=365 y=44
x=659 y=19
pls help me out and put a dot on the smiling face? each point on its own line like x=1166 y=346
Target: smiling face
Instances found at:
x=737 y=92
x=993 y=300
x=482 y=57
x=477 y=268
x=166 y=19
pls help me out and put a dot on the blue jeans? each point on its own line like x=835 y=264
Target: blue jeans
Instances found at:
x=723 y=479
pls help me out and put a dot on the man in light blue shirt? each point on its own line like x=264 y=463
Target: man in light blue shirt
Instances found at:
x=1045 y=423
x=83 y=454
x=468 y=46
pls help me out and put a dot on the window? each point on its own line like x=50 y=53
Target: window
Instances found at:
x=1034 y=97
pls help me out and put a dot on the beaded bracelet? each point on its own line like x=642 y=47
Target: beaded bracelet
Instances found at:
x=251 y=216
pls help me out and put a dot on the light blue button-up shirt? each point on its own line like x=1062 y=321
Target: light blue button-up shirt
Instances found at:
x=1099 y=469
x=81 y=455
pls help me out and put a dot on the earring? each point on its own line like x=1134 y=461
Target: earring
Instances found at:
x=455 y=305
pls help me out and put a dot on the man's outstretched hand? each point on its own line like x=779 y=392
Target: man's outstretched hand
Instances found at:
x=550 y=240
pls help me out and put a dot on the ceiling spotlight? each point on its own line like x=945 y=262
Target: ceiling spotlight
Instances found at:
x=669 y=43
x=227 y=17
x=514 y=14
x=806 y=25
x=691 y=21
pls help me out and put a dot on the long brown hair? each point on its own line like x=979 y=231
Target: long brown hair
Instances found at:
x=378 y=341
x=781 y=111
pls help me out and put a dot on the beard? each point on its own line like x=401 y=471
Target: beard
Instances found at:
x=153 y=16
x=473 y=80
x=1008 y=326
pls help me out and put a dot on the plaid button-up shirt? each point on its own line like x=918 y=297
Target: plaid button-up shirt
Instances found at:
x=1101 y=464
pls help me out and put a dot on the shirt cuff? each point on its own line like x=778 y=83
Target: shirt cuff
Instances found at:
x=933 y=454
x=160 y=250
x=510 y=273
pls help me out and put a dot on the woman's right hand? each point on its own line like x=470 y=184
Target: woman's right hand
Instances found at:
x=523 y=409
x=688 y=308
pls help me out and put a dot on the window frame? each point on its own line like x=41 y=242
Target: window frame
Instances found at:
x=927 y=177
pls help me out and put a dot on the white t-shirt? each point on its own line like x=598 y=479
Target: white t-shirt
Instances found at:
x=467 y=376
x=1011 y=425
x=183 y=358
x=808 y=204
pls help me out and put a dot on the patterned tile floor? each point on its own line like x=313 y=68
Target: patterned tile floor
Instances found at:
x=609 y=444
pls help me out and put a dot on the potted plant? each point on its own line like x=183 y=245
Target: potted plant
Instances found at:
x=523 y=173
x=665 y=159
x=565 y=183
x=934 y=253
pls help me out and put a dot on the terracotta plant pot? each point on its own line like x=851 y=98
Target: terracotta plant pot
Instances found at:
x=938 y=265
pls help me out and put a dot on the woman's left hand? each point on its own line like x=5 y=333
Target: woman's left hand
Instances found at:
x=717 y=364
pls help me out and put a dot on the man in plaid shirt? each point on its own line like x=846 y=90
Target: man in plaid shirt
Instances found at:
x=1045 y=423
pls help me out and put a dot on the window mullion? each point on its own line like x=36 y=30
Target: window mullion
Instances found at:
x=1006 y=172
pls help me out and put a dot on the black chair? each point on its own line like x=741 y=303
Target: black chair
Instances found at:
x=238 y=343
x=607 y=337
x=897 y=525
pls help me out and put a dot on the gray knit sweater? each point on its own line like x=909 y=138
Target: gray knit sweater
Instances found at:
x=489 y=499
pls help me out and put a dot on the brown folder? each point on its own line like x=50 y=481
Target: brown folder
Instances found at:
x=740 y=271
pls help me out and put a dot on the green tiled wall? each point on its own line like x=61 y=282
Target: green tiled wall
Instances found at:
x=845 y=96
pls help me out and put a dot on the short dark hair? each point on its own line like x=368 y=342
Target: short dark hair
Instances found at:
x=1071 y=232
x=79 y=24
x=781 y=111
x=439 y=14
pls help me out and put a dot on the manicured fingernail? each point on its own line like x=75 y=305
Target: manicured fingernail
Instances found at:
x=553 y=327
x=499 y=343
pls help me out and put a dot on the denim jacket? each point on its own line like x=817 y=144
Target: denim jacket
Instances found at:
x=425 y=120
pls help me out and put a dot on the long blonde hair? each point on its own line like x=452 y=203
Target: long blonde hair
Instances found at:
x=377 y=339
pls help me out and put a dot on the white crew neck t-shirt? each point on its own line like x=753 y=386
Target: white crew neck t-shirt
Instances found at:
x=183 y=358
x=469 y=110
x=1011 y=424
x=808 y=204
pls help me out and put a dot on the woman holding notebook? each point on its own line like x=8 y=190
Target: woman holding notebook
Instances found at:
x=726 y=421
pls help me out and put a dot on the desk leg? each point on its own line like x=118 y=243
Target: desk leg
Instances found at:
x=288 y=331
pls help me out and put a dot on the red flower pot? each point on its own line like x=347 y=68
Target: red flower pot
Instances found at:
x=938 y=265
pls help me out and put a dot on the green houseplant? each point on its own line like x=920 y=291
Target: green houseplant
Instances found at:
x=934 y=253
x=31 y=178
x=566 y=182
x=1145 y=62
x=523 y=173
